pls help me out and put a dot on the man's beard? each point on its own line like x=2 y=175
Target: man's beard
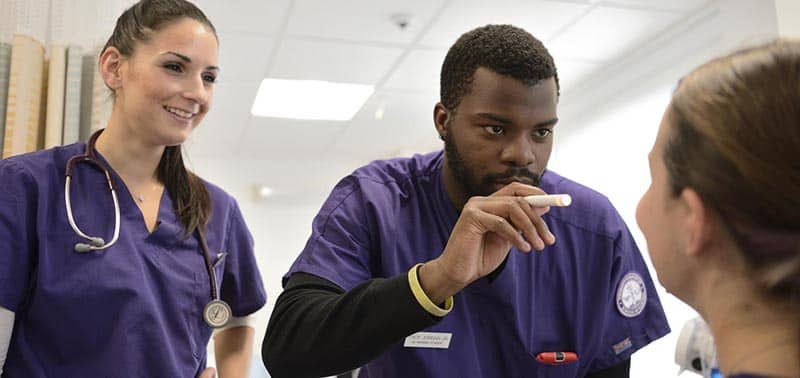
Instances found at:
x=471 y=185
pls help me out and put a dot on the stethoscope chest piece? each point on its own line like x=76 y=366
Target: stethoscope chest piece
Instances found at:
x=217 y=313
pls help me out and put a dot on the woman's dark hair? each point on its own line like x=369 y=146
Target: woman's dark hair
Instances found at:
x=137 y=24
x=736 y=142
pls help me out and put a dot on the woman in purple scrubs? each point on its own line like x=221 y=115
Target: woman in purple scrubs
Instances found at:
x=164 y=258
x=721 y=214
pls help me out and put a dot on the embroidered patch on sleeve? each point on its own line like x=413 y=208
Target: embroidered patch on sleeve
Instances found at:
x=631 y=295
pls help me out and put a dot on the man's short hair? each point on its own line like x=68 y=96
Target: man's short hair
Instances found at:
x=504 y=49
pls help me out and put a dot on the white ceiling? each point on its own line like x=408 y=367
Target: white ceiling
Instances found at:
x=358 y=41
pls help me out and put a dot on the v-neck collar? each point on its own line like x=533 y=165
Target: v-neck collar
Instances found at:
x=167 y=228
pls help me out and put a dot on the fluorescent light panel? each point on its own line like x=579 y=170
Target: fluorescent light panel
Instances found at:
x=310 y=99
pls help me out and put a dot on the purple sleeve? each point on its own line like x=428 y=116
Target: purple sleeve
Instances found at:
x=17 y=234
x=339 y=247
x=629 y=326
x=242 y=286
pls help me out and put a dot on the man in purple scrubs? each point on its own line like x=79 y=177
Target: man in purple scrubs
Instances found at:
x=435 y=266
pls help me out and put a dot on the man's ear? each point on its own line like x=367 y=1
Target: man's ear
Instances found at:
x=441 y=116
x=110 y=64
x=699 y=222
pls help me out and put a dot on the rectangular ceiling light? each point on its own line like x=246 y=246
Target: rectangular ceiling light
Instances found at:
x=310 y=99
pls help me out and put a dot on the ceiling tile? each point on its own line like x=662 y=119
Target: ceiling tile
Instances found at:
x=677 y=5
x=244 y=56
x=391 y=123
x=419 y=70
x=605 y=33
x=277 y=137
x=333 y=61
x=254 y=16
x=540 y=18
x=360 y=20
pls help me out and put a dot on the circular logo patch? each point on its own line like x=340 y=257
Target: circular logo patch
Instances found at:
x=631 y=295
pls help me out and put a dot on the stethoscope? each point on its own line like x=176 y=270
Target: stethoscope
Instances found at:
x=216 y=313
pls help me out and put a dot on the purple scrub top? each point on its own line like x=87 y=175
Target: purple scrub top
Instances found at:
x=134 y=309
x=579 y=295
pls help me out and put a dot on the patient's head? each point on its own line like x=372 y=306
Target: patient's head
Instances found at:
x=726 y=173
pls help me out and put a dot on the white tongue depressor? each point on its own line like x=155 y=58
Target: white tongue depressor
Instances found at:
x=559 y=200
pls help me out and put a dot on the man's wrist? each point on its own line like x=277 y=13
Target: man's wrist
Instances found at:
x=437 y=305
x=435 y=282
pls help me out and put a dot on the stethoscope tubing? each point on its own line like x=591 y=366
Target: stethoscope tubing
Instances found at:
x=97 y=243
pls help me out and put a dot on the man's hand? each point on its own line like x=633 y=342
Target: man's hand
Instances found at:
x=482 y=237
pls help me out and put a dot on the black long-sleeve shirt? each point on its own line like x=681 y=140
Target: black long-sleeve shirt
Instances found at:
x=317 y=329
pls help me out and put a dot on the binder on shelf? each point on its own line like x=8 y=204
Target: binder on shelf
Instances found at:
x=72 y=95
x=5 y=68
x=25 y=83
x=54 y=114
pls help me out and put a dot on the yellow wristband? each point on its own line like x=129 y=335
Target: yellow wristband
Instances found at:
x=422 y=298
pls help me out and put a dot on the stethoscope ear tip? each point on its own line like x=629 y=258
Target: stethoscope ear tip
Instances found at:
x=94 y=243
x=82 y=248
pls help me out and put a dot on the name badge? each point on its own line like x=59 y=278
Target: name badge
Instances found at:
x=438 y=340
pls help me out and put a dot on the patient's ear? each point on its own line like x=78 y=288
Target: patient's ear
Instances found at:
x=698 y=224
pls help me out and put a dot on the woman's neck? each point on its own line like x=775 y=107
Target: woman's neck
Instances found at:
x=753 y=334
x=129 y=155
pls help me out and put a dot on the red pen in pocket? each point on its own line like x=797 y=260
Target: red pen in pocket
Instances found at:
x=556 y=358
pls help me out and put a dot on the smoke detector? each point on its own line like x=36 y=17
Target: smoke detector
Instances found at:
x=401 y=20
